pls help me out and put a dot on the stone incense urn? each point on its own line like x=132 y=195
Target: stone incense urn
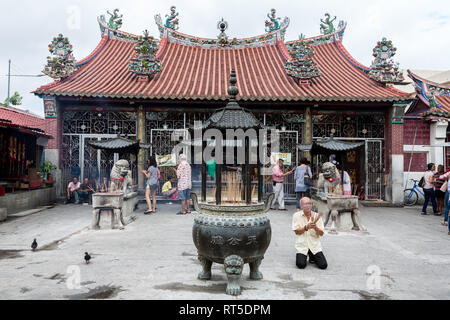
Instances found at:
x=232 y=235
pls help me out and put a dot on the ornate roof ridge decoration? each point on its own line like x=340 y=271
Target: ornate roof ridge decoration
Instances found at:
x=425 y=85
x=269 y=38
x=62 y=63
x=302 y=67
x=327 y=26
x=337 y=35
x=172 y=21
x=112 y=33
x=383 y=68
x=233 y=116
x=115 y=20
x=144 y=62
x=273 y=23
x=427 y=91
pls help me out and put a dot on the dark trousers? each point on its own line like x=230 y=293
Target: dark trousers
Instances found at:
x=86 y=196
x=429 y=194
x=318 y=258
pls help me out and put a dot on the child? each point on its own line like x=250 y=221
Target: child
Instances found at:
x=169 y=191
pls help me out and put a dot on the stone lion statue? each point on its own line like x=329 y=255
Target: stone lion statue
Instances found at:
x=121 y=176
x=329 y=171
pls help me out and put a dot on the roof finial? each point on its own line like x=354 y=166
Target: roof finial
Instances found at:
x=327 y=27
x=273 y=23
x=115 y=20
x=233 y=91
x=172 y=20
x=383 y=68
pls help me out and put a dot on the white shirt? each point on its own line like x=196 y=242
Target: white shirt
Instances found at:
x=309 y=240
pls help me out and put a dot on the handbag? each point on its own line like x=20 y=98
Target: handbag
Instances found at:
x=444 y=186
x=421 y=182
x=307 y=181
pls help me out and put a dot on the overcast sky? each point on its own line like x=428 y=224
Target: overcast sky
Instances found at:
x=419 y=29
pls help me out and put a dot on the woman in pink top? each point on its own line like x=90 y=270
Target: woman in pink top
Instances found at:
x=446 y=177
x=428 y=189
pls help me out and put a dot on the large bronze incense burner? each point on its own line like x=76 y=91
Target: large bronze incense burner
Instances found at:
x=232 y=227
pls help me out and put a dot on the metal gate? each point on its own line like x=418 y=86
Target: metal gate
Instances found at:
x=288 y=141
x=162 y=144
x=94 y=164
x=374 y=170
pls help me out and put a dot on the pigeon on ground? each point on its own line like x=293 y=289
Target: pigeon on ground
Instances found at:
x=34 y=245
x=87 y=257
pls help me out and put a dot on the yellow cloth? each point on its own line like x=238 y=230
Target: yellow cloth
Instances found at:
x=309 y=239
x=167 y=186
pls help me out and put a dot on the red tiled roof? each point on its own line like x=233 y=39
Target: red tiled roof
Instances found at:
x=194 y=73
x=442 y=99
x=22 y=118
x=17 y=118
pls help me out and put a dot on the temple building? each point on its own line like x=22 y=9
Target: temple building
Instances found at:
x=309 y=89
x=426 y=129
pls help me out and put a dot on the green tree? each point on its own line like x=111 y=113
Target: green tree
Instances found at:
x=15 y=100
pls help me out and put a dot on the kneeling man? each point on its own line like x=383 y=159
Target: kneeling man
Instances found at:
x=308 y=236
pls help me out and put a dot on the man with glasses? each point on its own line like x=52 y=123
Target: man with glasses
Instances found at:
x=308 y=236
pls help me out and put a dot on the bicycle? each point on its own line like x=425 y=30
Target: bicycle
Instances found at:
x=410 y=196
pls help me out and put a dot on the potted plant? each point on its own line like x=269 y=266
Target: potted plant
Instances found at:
x=46 y=168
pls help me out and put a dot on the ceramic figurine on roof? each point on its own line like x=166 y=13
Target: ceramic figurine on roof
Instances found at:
x=327 y=27
x=172 y=21
x=222 y=25
x=274 y=22
x=144 y=63
x=301 y=66
x=432 y=99
x=62 y=63
x=115 y=21
x=383 y=68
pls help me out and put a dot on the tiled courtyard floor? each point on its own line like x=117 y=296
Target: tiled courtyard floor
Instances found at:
x=155 y=258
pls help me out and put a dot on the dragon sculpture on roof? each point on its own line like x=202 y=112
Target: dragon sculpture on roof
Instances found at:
x=327 y=27
x=273 y=23
x=115 y=21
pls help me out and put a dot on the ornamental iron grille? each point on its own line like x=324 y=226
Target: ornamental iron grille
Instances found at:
x=344 y=126
x=70 y=157
x=80 y=127
x=93 y=122
x=375 y=175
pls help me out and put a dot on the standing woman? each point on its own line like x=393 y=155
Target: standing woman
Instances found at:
x=346 y=182
x=437 y=188
x=301 y=189
x=428 y=189
x=446 y=177
x=152 y=185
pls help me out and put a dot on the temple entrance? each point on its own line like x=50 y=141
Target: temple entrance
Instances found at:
x=365 y=166
x=81 y=160
x=375 y=177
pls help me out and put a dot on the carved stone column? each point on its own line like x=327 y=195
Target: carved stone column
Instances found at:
x=142 y=156
x=308 y=131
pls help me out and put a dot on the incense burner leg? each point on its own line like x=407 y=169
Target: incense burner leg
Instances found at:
x=233 y=268
x=255 y=274
x=356 y=218
x=327 y=217
x=116 y=222
x=334 y=215
x=95 y=219
x=206 y=265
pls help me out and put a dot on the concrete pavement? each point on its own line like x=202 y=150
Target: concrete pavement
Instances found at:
x=155 y=258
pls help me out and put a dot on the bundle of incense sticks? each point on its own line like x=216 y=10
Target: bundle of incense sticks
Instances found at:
x=317 y=218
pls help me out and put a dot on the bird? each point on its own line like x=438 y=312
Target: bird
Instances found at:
x=34 y=245
x=87 y=257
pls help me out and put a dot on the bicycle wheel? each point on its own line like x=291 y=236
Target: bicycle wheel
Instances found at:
x=410 y=197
